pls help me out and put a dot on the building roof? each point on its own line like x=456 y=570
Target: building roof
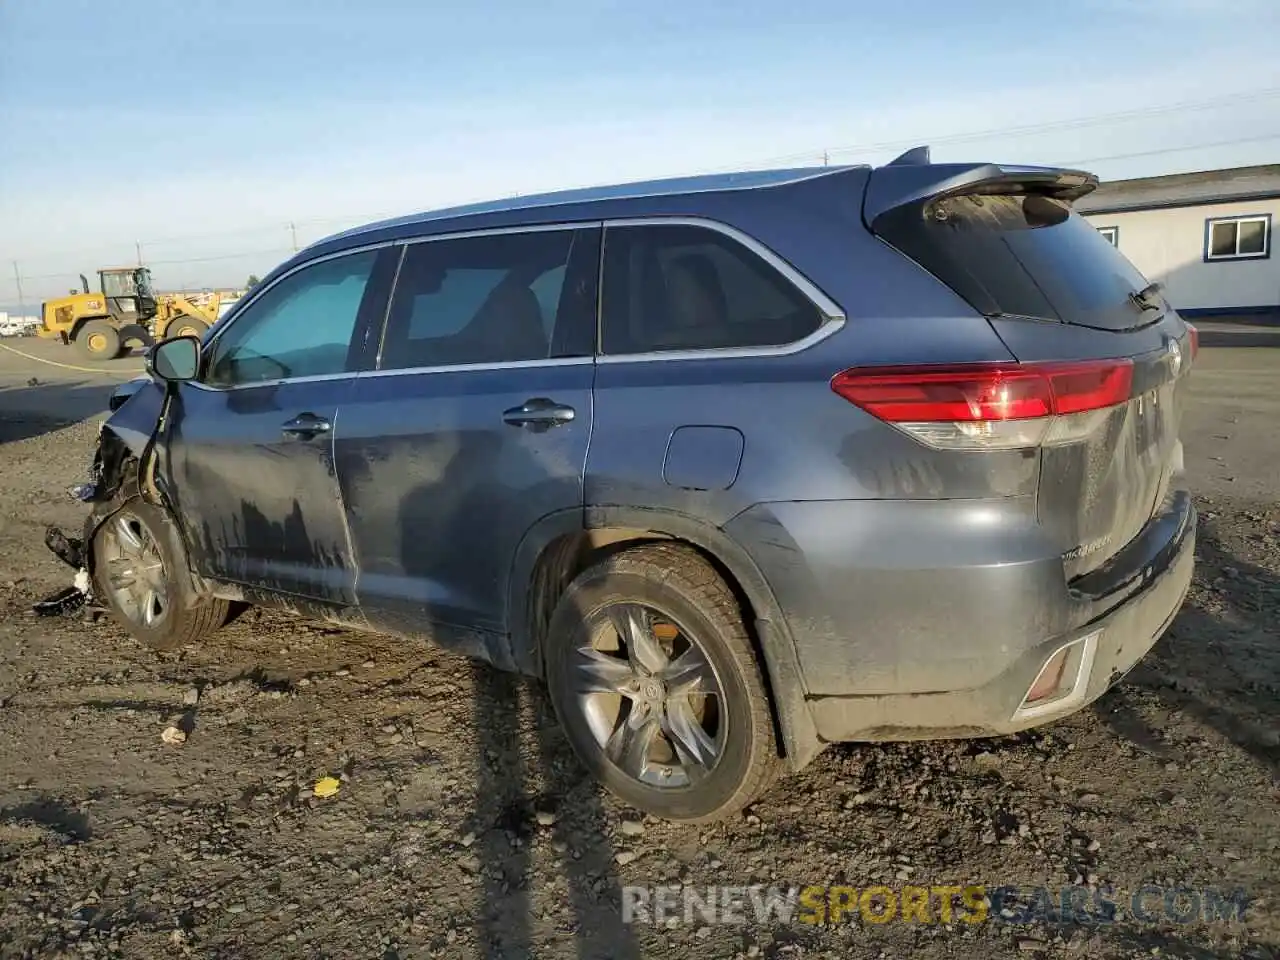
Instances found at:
x=1184 y=190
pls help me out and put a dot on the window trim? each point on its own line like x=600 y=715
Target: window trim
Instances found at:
x=579 y=226
x=833 y=317
x=1115 y=235
x=243 y=306
x=1210 y=222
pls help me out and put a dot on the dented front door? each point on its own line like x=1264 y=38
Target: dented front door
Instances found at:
x=254 y=485
x=249 y=448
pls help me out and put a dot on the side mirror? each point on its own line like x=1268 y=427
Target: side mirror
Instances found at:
x=176 y=360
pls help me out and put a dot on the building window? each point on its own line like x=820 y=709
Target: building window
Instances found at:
x=1238 y=238
x=1111 y=235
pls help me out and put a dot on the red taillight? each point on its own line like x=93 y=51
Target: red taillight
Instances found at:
x=930 y=394
x=987 y=405
x=1194 y=334
x=985 y=391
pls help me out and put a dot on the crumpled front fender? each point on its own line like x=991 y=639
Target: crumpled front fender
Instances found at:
x=136 y=405
x=125 y=444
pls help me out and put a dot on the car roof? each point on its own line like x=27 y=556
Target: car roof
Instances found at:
x=674 y=186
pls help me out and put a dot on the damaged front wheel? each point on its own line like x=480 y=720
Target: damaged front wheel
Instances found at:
x=140 y=575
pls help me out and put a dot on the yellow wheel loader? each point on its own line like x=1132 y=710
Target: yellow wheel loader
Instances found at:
x=125 y=310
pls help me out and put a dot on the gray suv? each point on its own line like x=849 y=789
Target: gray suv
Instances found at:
x=738 y=465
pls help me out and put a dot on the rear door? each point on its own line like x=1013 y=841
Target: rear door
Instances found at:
x=1054 y=289
x=249 y=452
x=473 y=426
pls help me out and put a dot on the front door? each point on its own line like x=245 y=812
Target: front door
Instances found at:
x=472 y=428
x=249 y=450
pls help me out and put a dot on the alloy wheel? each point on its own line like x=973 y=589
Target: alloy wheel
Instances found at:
x=650 y=696
x=134 y=568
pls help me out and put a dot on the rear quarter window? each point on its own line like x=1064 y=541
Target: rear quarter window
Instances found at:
x=687 y=287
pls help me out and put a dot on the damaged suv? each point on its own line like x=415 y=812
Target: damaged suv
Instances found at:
x=739 y=465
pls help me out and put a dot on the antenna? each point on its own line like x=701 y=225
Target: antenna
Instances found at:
x=916 y=156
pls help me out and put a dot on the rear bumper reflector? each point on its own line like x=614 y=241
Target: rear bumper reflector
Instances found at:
x=1063 y=679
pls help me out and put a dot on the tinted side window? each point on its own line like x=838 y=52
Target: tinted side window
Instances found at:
x=301 y=327
x=493 y=299
x=693 y=288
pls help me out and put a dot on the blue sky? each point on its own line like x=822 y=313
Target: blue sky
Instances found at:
x=203 y=128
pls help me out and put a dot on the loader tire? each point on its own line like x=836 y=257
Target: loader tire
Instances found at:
x=134 y=333
x=98 y=340
x=185 y=326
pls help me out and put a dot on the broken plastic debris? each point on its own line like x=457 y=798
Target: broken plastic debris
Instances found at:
x=326 y=786
x=83 y=492
x=173 y=735
x=70 y=550
x=66 y=600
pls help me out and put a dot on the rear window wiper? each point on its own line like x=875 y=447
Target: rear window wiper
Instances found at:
x=1148 y=298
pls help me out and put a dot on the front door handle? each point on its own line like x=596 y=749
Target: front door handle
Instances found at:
x=305 y=426
x=539 y=413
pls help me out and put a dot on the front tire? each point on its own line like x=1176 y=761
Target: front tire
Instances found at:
x=185 y=326
x=98 y=340
x=656 y=683
x=140 y=574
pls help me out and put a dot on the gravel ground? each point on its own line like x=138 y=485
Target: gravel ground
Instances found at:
x=463 y=827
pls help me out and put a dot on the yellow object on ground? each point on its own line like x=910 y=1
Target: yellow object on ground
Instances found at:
x=326 y=786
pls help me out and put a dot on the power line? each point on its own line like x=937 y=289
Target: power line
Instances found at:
x=825 y=154
x=1164 y=150
x=157 y=241
x=225 y=256
x=1028 y=129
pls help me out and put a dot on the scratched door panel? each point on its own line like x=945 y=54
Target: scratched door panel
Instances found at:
x=262 y=507
x=251 y=444
x=474 y=427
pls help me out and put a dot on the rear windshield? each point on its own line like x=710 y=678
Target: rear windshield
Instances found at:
x=1025 y=255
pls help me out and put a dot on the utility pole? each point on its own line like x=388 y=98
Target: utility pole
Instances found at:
x=137 y=246
x=17 y=278
x=826 y=160
x=293 y=233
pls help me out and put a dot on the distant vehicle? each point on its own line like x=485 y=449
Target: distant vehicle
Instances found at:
x=124 y=310
x=739 y=465
x=17 y=326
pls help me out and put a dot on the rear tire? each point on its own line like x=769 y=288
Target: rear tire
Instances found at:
x=140 y=575
x=685 y=750
x=98 y=340
x=134 y=333
x=185 y=326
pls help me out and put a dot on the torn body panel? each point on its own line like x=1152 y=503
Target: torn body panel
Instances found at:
x=125 y=443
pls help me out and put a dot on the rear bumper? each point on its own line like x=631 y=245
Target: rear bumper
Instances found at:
x=999 y=637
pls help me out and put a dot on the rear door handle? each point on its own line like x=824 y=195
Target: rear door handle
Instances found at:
x=305 y=426
x=539 y=413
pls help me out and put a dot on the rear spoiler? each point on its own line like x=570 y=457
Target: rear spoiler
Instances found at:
x=912 y=179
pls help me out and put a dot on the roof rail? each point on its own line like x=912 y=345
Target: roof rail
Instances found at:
x=916 y=156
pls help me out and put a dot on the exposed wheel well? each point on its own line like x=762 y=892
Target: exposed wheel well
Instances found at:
x=567 y=556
